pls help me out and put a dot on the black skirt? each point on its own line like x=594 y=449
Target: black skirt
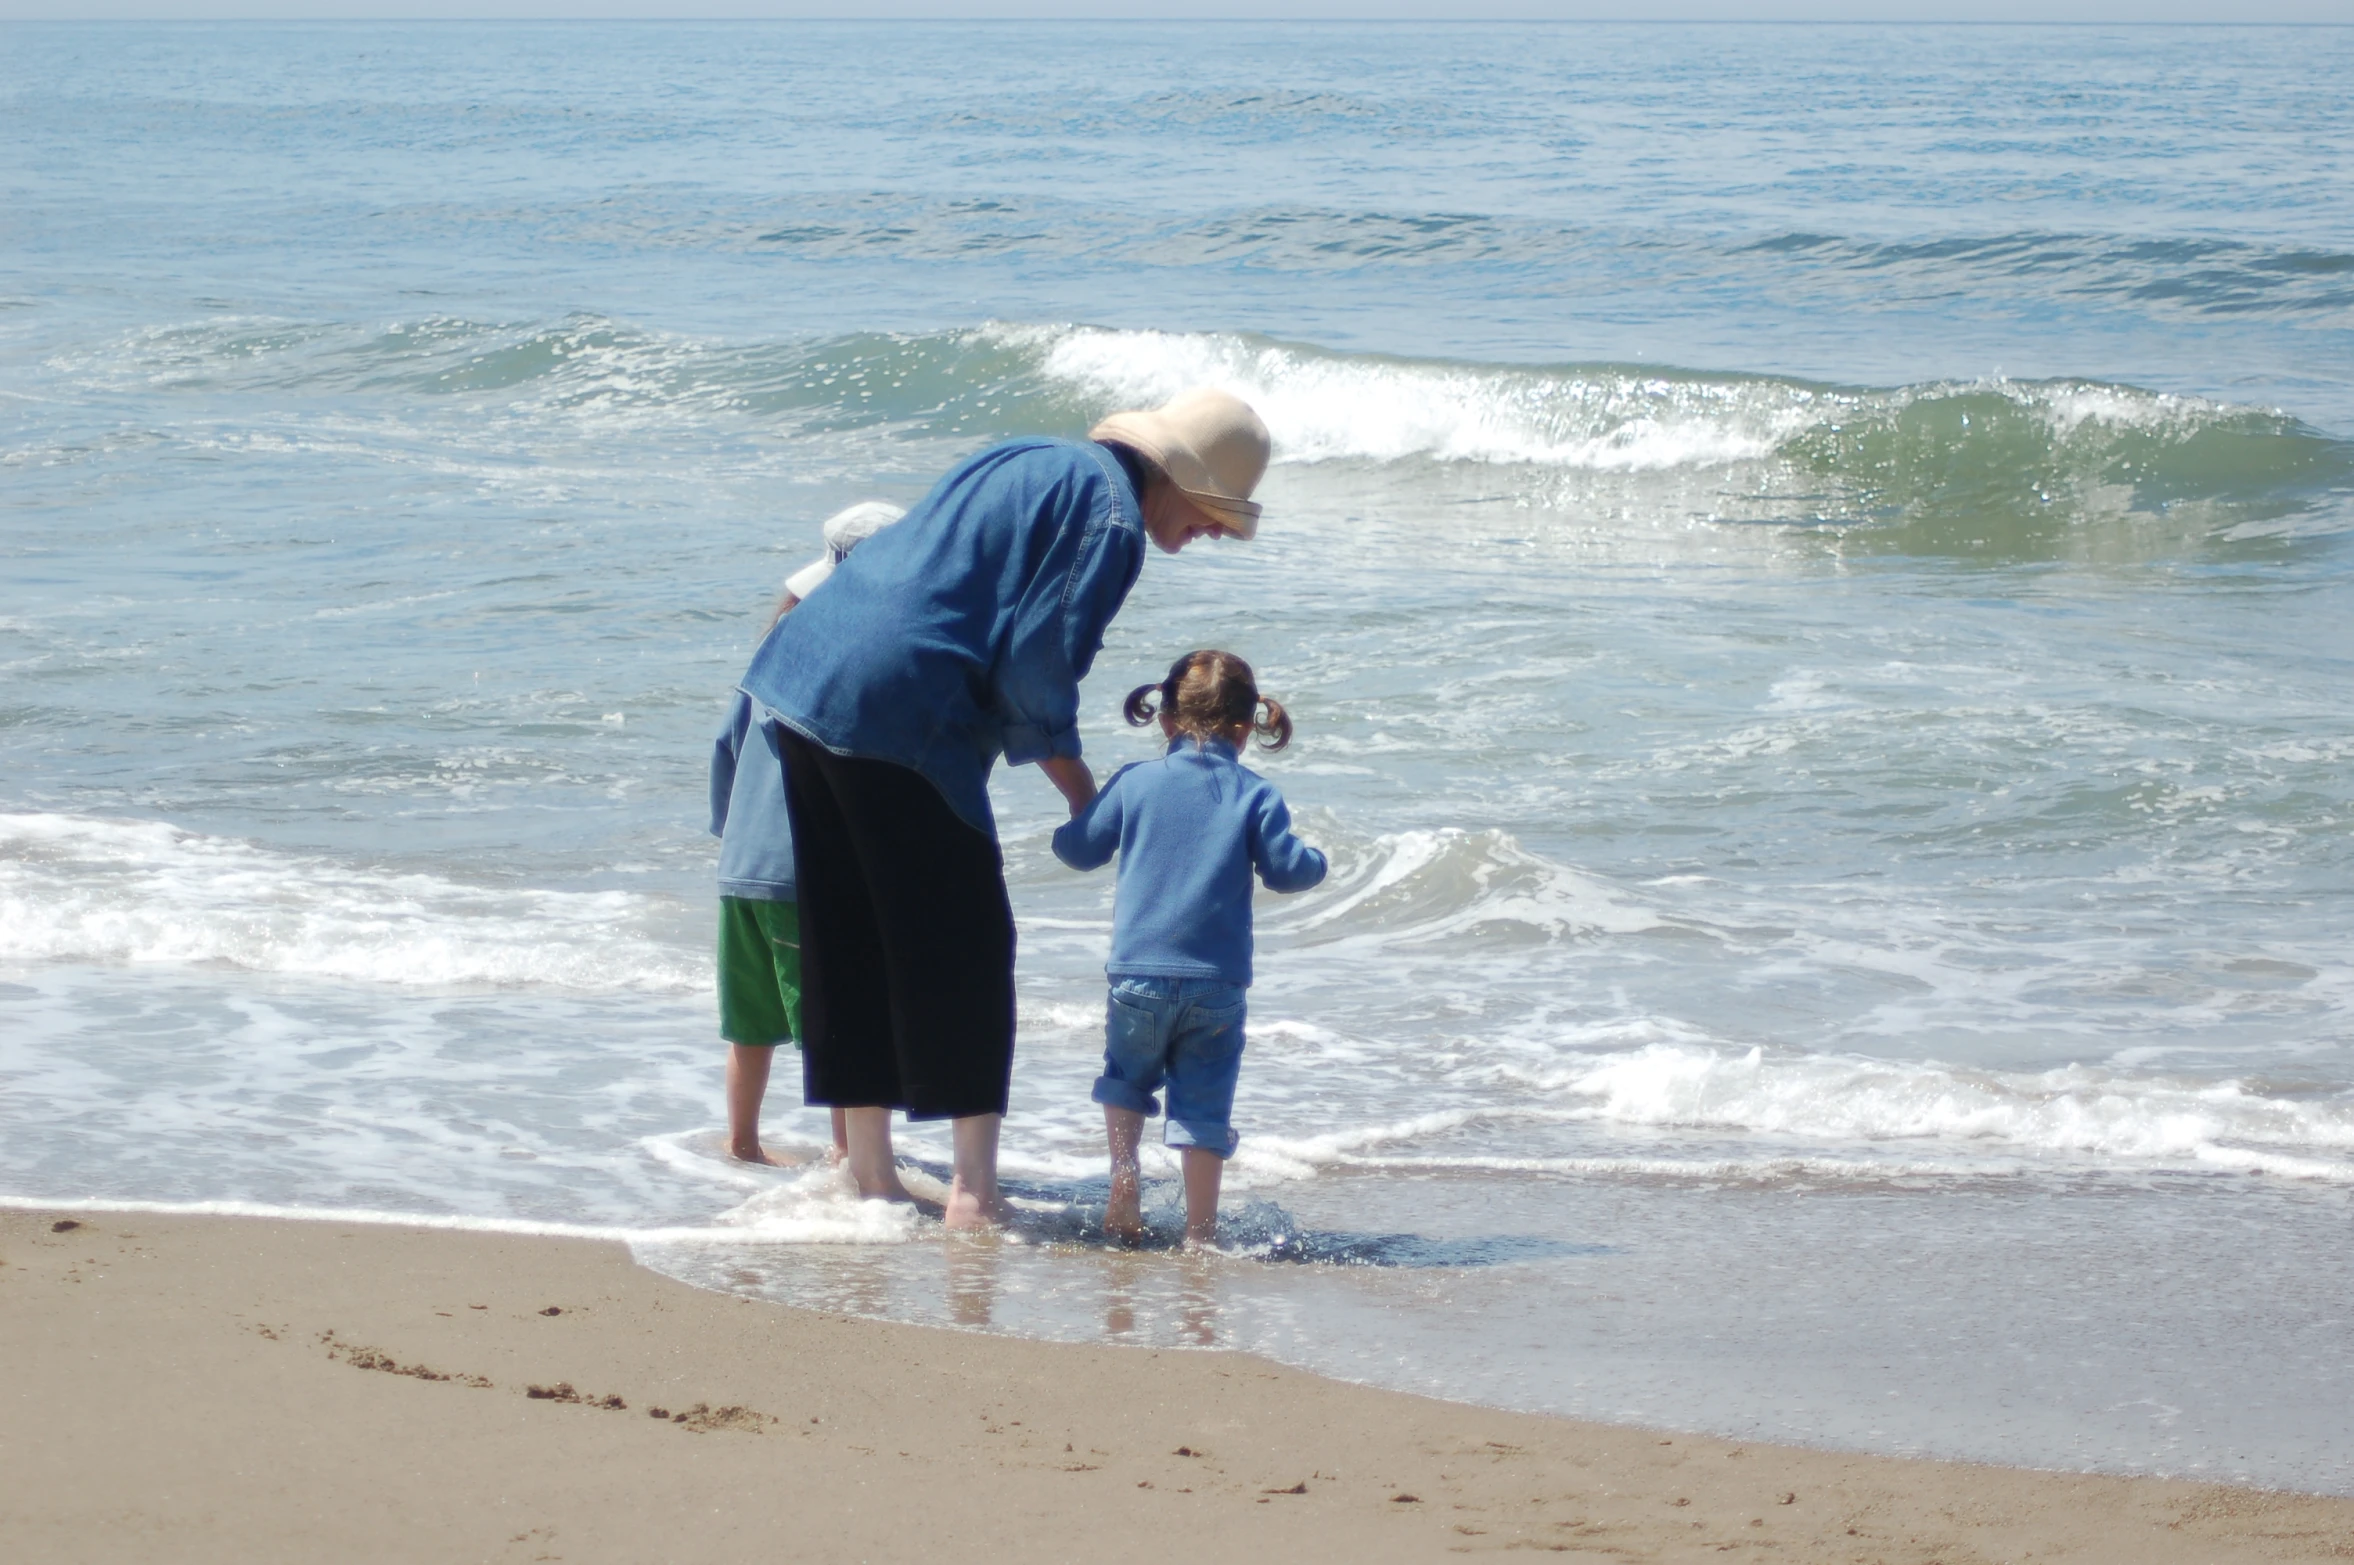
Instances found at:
x=907 y=941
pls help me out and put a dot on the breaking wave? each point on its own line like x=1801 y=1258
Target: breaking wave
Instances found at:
x=1989 y=454
x=77 y=889
x=1409 y=888
x=1870 y=1119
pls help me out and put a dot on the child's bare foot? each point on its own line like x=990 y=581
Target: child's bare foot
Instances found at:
x=754 y=1153
x=1123 y=1214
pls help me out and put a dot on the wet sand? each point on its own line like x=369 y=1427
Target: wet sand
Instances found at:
x=202 y=1389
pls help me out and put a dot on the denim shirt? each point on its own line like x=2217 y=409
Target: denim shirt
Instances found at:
x=961 y=633
x=748 y=808
x=1189 y=828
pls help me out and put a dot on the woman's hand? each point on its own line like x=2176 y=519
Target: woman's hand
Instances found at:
x=1070 y=774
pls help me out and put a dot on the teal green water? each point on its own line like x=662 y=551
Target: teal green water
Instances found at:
x=1811 y=564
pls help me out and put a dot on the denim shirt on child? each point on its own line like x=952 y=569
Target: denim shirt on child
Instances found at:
x=961 y=633
x=1189 y=828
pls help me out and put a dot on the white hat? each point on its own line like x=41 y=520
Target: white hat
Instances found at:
x=845 y=530
x=1212 y=446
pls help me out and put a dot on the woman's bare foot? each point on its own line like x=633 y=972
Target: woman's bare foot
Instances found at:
x=973 y=1201
x=968 y=1212
x=887 y=1189
x=874 y=1167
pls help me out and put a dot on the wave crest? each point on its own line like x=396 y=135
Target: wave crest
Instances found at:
x=1948 y=466
x=2075 y=1110
x=77 y=889
x=1415 y=887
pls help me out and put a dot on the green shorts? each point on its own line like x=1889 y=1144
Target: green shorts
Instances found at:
x=759 y=971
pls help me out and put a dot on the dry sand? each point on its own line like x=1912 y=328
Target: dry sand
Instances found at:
x=199 y=1389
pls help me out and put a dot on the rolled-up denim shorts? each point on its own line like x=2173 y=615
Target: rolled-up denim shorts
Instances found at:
x=1185 y=1033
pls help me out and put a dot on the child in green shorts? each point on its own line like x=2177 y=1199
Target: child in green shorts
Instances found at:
x=759 y=911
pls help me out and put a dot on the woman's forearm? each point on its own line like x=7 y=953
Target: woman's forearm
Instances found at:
x=1070 y=774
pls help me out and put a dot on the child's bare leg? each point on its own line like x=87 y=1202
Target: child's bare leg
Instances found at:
x=747 y=1084
x=841 y=1148
x=973 y=1200
x=1204 y=1172
x=1123 y=1215
x=867 y=1148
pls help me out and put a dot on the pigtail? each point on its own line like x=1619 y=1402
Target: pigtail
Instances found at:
x=1211 y=695
x=1274 y=729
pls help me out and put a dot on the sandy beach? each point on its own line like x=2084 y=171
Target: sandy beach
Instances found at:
x=198 y=1389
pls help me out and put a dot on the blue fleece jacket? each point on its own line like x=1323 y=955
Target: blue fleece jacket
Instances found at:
x=1189 y=829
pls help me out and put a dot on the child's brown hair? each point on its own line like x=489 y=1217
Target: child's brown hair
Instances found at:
x=1206 y=695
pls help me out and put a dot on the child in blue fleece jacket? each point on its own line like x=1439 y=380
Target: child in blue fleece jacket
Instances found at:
x=1190 y=829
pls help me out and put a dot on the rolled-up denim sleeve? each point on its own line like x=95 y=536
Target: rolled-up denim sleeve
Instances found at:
x=1285 y=863
x=1055 y=643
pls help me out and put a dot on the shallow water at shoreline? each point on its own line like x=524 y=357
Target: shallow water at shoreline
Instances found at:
x=1815 y=589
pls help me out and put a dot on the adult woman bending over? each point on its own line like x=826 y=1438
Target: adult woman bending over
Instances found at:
x=954 y=637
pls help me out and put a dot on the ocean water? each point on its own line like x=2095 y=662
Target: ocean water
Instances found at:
x=1814 y=567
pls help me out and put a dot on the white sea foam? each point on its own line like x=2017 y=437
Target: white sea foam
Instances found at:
x=2104 y=1117
x=1767 y=1169
x=79 y=889
x=1267 y=1158
x=1871 y=1120
x=1597 y=418
x=817 y=1209
x=1321 y=406
x=2071 y=406
x=1413 y=886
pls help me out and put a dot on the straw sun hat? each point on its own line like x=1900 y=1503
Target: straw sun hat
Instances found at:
x=1212 y=446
